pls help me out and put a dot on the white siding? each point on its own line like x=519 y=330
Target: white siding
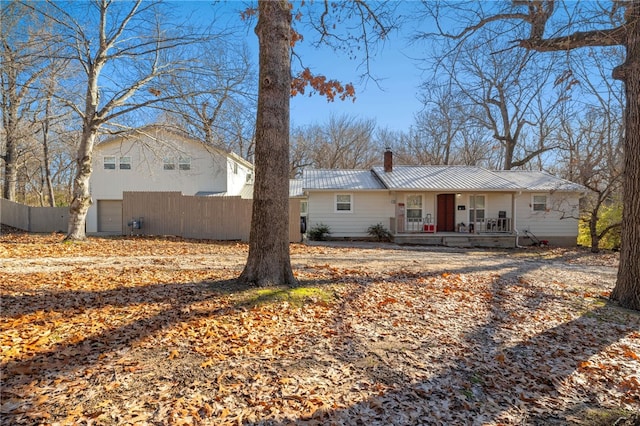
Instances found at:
x=236 y=176
x=372 y=207
x=559 y=220
x=498 y=202
x=208 y=169
x=494 y=203
x=369 y=208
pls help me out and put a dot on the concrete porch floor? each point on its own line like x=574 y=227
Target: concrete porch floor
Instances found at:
x=457 y=239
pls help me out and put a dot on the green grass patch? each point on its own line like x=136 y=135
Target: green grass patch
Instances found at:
x=607 y=417
x=297 y=296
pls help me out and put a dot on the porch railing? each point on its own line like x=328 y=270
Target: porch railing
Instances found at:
x=493 y=224
x=414 y=224
x=486 y=225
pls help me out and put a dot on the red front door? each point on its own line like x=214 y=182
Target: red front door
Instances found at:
x=446 y=213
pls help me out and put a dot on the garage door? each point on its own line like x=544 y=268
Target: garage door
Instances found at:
x=110 y=216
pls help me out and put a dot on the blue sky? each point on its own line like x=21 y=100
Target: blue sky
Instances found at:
x=392 y=101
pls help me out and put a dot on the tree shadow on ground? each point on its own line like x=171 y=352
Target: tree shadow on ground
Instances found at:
x=75 y=356
x=68 y=358
x=499 y=378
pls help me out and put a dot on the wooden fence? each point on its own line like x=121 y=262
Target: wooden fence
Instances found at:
x=34 y=219
x=162 y=213
x=215 y=218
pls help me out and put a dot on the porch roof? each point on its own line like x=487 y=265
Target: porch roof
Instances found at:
x=539 y=181
x=444 y=178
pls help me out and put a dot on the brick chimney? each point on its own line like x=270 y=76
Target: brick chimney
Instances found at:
x=388 y=161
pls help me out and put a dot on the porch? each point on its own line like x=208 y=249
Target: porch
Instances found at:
x=493 y=232
x=457 y=239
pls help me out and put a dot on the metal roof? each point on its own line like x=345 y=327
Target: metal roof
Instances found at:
x=433 y=178
x=444 y=178
x=539 y=181
x=211 y=194
x=247 y=191
x=340 y=179
x=295 y=188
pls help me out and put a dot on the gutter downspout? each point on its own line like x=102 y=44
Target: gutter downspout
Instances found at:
x=514 y=209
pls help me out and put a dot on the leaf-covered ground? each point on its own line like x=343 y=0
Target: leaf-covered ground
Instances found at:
x=154 y=331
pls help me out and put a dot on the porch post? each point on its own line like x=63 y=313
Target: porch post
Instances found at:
x=514 y=228
x=513 y=213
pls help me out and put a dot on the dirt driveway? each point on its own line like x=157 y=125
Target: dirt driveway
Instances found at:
x=153 y=331
x=577 y=266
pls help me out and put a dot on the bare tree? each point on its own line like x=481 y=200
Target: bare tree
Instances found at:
x=302 y=141
x=591 y=137
x=22 y=39
x=122 y=48
x=268 y=262
x=48 y=113
x=441 y=124
x=595 y=161
x=219 y=105
x=499 y=91
x=590 y=25
x=444 y=133
x=344 y=142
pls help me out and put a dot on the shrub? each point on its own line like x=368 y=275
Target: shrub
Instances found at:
x=319 y=232
x=379 y=232
x=607 y=216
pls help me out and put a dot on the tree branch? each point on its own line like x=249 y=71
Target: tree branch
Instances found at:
x=610 y=37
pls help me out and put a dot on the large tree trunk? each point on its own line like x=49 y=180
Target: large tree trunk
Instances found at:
x=10 y=169
x=81 y=200
x=268 y=262
x=627 y=289
x=45 y=153
x=593 y=232
x=9 y=121
x=49 y=182
x=81 y=197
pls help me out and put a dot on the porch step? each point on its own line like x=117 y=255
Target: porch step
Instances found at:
x=461 y=241
x=457 y=240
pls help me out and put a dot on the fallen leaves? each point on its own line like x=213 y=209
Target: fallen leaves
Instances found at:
x=91 y=334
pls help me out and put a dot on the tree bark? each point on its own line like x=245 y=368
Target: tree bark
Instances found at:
x=268 y=262
x=593 y=231
x=10 y=169
x=10 y=117
x=45 y=151
x=627 y=289
x=81 y=197
x=81 y=200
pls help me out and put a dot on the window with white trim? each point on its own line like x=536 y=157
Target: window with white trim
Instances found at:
x=125 y=163
x=184 y=163
x=539 y=203
x=414 y=212
x=169 y=164
x=344 y=203
x=109 y=162
x=476 y=208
